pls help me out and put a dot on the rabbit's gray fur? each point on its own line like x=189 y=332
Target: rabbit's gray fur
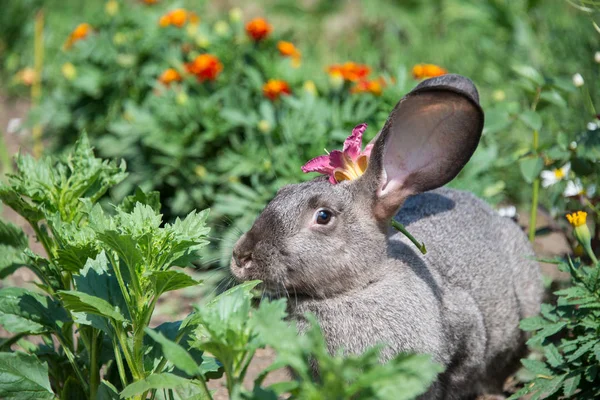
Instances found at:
x=367 y=284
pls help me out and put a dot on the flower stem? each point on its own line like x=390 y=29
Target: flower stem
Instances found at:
x=36 y=88
x=94 y=371
x=534 y=207
x=398 y=226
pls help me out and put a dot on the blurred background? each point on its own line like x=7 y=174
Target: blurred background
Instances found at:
x=217 y=104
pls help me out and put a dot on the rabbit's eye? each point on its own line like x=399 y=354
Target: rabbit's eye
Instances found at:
x=323 y=217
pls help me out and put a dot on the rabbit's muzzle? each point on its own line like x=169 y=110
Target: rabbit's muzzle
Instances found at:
x=253 y=259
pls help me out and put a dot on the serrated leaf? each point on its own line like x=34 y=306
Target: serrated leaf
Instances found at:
x=533 y=323
x=571 y=385
x=536 y=367
x=581 y=350
x=530 y=168
x=175 y=353
x=553 y=356
x=166 y=281
x=124 y=245
x=82 y=302
x=155 y=381
x=23 y=311
x=23 y=377
x=532 y=119
x=151 y=199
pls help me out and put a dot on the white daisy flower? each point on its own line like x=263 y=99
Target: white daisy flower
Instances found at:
x=574 y=188
x=550 y=178
x=592 y=126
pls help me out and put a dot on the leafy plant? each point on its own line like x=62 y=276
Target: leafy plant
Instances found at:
x=100 y=281
x=569 y=332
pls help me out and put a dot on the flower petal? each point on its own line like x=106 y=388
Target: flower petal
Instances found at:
x=319 y=164
x=367 y=150
x=353 y=143
x=337 y=160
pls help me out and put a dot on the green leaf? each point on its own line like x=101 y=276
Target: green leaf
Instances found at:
x=536 y=367
x=571 y=385
x=166 y=281
x=12 y=236
x=533 y=323
x=107 y=391
x=151 y=199
x=23 y=377
x=553 y=356
x=531 y=168
x=532 y=119
x=155 y=381
x=124 y=245
x=23 y=311
x=175 y=354
x=529 y=73
x=553 y=97
x=82 y=302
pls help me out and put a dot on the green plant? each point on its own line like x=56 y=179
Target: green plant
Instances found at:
x=99 y=283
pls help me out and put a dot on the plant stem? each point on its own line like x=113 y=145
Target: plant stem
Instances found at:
x=120 y=366
x=205 y=388
x=5 y=160
x=534 y=206
x=421 y=246
x=71 y=358
x=535 y=188
x=94 y=370
x=36 y=87
x=133 y=367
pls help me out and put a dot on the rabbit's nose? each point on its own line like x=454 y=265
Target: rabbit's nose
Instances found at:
x=242 y=260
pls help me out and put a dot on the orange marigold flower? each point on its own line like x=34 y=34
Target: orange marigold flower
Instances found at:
x=287 y=49
x=80 y=32
x=374 y=86
x=424 y=71
x=350 y=71
x=178 y=18
x=168 y=76
x=149 y=2
x=205 y=67
x=258 y=29
x=164 y=21
x=274 y=88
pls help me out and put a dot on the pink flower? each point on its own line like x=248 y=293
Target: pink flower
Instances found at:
x=348 y=164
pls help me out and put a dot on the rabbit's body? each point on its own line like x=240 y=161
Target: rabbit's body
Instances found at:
x=461 y=302
x=329 y=246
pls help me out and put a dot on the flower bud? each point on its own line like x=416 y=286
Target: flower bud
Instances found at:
x=597 y=57
x=580 y=228
x=578 y=80
x=222 y=28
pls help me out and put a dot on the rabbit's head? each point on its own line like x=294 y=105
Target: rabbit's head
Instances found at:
x=318 y=239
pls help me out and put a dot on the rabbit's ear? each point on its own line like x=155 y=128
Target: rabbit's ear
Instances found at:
x=428 y=138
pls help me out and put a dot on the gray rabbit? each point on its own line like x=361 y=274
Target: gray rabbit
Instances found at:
x=332 y=247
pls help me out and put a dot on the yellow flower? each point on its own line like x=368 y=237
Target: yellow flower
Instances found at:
x=336 y=79
x=577 y=219
x=111 y=7
x=202 y=41
x=69 y=71
x=581 y=231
